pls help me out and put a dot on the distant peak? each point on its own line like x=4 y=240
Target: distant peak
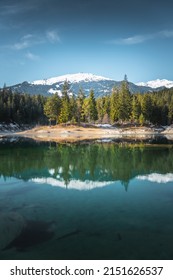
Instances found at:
x=157 y=83
x=71 y=78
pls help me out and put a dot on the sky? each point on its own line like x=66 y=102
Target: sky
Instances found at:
x=40 y=39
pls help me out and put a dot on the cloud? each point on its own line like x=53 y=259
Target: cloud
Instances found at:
x=30 y=40
x=27 y=41
x=32 y=56
x=53 y=36
x=14 y=9
x=166 y=33
x=20 y=45
x=138 y=39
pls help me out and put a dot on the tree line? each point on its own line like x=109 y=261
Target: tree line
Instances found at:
x=118 y=107
x=83 y=162
x=21 y=108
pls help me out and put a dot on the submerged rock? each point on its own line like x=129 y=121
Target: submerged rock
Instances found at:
x=11 y=226
x=34 y=232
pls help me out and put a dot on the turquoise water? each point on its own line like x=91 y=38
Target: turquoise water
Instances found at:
x=85 y=201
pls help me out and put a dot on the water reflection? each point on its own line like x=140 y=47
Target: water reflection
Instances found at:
x=73 y=184
x=85 y=166
x=157 y=178
x=95 y=218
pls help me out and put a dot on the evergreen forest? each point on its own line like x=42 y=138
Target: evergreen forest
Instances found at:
x=120 y=106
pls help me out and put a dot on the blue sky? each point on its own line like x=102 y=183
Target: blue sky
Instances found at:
x=45 y=38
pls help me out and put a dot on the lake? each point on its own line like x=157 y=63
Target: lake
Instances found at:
x=85 y=201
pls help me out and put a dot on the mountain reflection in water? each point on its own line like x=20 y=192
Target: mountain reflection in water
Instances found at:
x=85 y=165
x=89 y=201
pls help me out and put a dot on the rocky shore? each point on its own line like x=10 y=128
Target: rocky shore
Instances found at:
x=73 y=133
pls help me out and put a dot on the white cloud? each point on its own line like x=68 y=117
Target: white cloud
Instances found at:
x=27 y=41
x=53 y=36
x=20 y=45
x=138 y=39
x=32 y=56
x=28 y=37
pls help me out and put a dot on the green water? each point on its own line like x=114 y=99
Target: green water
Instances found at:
x=98 y=201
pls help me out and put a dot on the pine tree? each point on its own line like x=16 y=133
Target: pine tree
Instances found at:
x=146 y=107
x=64 y=116
x=79 y=102
x=106 y=108
x=100 y=108
x=52 y=108
x=93 y=115
x=170 y=112
x=73 y=110
x=124 y=101
x=114 y=105
x=141 y=119
x=86 y=110
x=136 y=108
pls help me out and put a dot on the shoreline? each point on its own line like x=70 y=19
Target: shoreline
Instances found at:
x=74 y=133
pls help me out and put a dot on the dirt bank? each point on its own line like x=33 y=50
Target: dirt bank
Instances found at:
x=71 y=133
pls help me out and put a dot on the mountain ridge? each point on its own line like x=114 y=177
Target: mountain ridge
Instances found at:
x=157 y=83
x=87 y=81
x=72 y=78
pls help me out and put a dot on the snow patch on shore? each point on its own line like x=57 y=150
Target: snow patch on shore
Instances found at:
x=9 y=127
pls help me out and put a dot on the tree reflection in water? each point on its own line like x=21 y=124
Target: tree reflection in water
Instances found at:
x=95 y=162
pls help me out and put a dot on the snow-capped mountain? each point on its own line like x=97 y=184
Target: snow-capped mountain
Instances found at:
x=157 y=83
x=72 y=78
x=87 y=81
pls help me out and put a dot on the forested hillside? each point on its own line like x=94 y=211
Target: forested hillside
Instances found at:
x=119 y=106
x=21 y=108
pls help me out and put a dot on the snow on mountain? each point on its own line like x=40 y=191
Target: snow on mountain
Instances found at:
x=71 y=78
x=86 y=81
x=156 y=177
x=157 y=83
x=73 y=184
